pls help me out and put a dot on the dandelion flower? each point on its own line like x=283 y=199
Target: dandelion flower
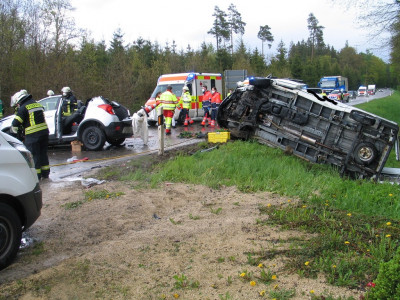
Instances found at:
x=334 y=266
x=273 y=277
x=349 y=214
x=262 y=293
x=388 y=235
x=347 y=242
x=253 y=283
x=388 y=223
x=304 y=206
x=307 y=263
x=260 y=265
x=269 y=205
x=176 y=295
x=242 y=274
x=275 y=286
x=312 y=292
x=289 y=201
x=390 y=195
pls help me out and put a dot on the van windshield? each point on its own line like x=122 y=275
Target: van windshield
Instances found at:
x=176 y=89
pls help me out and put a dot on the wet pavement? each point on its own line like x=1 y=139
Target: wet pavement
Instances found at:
x=60 y=157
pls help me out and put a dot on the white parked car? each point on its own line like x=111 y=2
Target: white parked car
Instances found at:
x=20 y=196
x=103 y=120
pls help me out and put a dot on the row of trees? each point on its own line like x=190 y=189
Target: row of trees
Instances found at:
x=39 y=51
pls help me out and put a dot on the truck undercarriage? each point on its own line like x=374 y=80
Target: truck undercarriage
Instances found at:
x=278 y=113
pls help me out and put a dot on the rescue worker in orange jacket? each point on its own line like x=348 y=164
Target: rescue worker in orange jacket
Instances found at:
x=186 y=99
x=30 y=116
x=169 y=102
x=206 y=105
x=215 y=102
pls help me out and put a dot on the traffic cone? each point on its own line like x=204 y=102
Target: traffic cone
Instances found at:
x=212 y=123
x=190 y=121
x=186 y=123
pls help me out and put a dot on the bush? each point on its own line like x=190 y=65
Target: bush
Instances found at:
x=387 y=284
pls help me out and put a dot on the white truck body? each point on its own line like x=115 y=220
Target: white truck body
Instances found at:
x=371 y=89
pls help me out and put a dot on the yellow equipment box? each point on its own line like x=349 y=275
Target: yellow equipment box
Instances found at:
x=218 y=137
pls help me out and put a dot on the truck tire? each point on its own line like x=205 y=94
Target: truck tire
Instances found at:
x=362 y=118
x=10 y=235
x=93 y=138
x=365 y=153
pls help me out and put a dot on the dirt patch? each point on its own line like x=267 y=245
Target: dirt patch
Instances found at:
x=178 y=241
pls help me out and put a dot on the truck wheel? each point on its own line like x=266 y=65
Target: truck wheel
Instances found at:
x=365 y=153
x=10 y=235
x=93 y=138
x=362 y=118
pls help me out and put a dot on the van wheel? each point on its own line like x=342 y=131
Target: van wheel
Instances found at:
x=365 y=153
x=93 y=138
x=10 y=235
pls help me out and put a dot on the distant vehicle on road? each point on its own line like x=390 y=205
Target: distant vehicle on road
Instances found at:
x=362 y=91
x=330 y=83
x=339 y=96
x=371 y=89
x=352 y=94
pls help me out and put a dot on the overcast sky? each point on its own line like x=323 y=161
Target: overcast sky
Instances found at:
x=187 y=22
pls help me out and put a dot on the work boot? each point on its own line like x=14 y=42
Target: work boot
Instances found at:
x=167 y=131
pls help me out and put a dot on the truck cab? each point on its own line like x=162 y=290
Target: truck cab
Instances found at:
x=195 y=82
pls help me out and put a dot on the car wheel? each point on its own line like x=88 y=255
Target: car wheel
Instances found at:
x=365 y=153
x=116 y=142
x=93 y=138
x=10 y=235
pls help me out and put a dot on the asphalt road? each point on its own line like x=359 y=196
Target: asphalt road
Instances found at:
x=62 y=170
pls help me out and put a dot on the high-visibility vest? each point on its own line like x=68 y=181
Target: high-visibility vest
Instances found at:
x=33 y=121
x=216 y=100
x=168 y=101
x=207 y=99
x=186 y=100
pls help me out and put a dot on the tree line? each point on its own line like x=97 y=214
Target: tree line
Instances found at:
x=41 y=48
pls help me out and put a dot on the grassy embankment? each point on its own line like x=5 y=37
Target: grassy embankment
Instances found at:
x=357 y=221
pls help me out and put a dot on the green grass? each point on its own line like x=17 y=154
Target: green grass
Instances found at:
x=354 y=225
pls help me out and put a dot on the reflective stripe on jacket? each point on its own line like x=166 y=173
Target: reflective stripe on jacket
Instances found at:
x=31 y=116
x=168 y=101
x=186 y=100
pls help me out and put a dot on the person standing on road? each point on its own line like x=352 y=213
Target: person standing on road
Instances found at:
x=30 y=115
x=186 y=103
x=1 y=109
x=206 y=105
x=168 y=101
x=215 y=102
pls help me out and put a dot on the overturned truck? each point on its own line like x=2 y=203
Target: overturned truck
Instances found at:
x=279 y=113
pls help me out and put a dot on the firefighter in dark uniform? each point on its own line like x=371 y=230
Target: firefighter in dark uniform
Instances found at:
x=69 y=109
x=30 y=116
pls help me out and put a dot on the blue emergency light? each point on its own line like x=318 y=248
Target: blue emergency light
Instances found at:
x=190 y=77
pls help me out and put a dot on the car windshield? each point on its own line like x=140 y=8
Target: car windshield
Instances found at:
x=335 y=92
x=176 y=89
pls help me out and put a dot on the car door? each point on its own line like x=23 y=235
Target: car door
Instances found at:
x=50 y=105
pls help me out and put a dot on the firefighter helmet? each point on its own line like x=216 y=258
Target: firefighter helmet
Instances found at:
x=66 y=90
x=185 y=88
x=18 y=97
x=50 y=93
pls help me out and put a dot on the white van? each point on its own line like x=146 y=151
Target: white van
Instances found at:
x=194 y=81
x=20 y=196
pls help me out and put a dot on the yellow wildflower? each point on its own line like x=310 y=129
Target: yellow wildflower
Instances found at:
x=388 y=223
x=347 y=242
x=312 y=292
x=390 y=195
x=273 y=277
x=275 y=286
x=253 y=283
x=349 y=214
x=289 y=201
x=176 y=295
x=260 y=265
x=269 y=205
x=334 y=266
x=242 y=274
x=262 y=293
x=304 y=206
x=307 y=263
x=388 y=235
